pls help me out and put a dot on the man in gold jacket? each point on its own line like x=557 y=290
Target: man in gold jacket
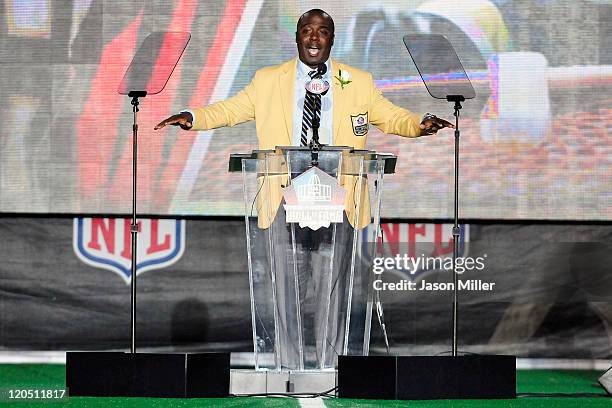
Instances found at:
x=270 y=100
x=276 y=100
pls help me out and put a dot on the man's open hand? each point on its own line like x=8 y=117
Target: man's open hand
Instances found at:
x=184 y=120
x=431 y=124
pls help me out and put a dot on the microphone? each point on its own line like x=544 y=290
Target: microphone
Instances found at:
x=321 y=70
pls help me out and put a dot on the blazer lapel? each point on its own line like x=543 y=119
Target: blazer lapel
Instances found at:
x=339 y=100
x=287 y=84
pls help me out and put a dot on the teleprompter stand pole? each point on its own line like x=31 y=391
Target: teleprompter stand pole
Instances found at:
x=134 y=226
x=456 y=228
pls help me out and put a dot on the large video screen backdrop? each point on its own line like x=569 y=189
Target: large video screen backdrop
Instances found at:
x=535 y=141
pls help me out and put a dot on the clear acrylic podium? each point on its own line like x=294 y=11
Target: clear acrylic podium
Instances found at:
x=311 y=289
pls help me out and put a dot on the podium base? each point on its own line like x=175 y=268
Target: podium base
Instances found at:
x=427 y=377
x=111 y=374
x=249 y=382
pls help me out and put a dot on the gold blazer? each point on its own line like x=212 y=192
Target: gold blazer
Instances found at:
x=269 y=100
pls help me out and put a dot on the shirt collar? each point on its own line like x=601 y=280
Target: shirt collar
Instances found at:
x=303 y=69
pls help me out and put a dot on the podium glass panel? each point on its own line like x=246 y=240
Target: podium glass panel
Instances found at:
x=311 y=289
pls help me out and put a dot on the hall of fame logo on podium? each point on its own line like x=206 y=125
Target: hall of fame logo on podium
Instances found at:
x=314 y=200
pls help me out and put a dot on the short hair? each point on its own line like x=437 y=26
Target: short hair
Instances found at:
x=317 y=11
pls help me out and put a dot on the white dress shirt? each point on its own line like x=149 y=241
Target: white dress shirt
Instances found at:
x=299 y=93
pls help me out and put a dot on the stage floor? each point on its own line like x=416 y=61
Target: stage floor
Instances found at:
x=545 y=383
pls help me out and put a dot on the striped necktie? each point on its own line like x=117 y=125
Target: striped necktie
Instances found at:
x=312 y=110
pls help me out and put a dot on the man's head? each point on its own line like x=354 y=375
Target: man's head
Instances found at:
x=314 y=37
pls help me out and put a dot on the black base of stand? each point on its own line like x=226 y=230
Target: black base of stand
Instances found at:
x=427 y=377
x=104 y=374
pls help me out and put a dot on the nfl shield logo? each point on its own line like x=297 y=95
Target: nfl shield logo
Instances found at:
x=106 y=243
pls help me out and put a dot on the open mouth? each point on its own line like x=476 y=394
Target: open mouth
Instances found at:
x=313 y=51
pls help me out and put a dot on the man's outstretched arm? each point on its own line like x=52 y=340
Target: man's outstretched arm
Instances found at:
x=237 y=109
x=394 y=119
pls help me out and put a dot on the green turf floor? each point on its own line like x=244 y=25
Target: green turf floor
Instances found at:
x=534 y=381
